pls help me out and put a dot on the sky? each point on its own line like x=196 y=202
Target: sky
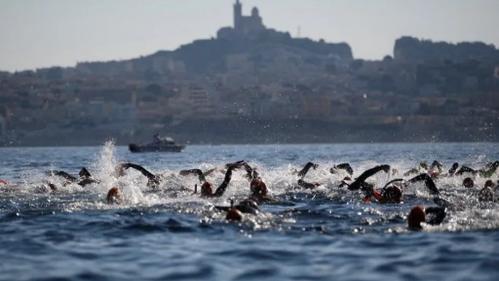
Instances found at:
x=43 y=33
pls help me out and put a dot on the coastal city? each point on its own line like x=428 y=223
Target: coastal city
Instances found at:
x=253 y=84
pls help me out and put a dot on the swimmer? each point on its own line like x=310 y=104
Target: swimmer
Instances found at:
x=436 y=169
x=246 y=206
x=468 y=183
x=201 y=175
x=392 y=191
x=487 y=193
x=152 y=179
x=114 y=196
x=466 y=170
x=360 y=183
x=84 y=177
x=207 y=188
x=259 y=192
x=485 y=172
x=422 y=168
x=453 y=169
x=233 y=214
x=489 y=169
x=303 y=172
x=429 y=183
x=430 y=215
x=343 y=166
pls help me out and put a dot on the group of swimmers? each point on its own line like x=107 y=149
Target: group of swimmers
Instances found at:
x=389 y=193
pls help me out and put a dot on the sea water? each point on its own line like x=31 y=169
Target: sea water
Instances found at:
x=169 y=233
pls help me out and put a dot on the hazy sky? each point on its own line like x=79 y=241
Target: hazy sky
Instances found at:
x=40 y=33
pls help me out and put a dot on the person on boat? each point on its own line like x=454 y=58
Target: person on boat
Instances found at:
x=156 y=139
x=429 y=215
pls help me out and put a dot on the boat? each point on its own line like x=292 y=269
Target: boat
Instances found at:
x=159 y=144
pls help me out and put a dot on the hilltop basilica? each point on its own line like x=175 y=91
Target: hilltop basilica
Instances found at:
x=243 y=25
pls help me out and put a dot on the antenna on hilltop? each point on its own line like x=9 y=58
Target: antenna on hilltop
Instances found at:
x=298 y=32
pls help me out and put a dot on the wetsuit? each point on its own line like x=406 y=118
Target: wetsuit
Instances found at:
x=85 y=178
x=153 y=180
x=303 y=172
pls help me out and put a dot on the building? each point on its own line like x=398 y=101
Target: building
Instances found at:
x=247 y=24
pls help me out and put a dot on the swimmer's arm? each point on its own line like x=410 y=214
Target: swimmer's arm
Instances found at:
x=346 y=167
x=235 y=165
x=222 y=208
x=367 y=174
x=442 y=203
x=84 y=173
x=489 y=170
x=221 y=189
x=153 y=179
x=392 y=181
x=411 y=172
x=429 y=183
x=305 y=169
x=196 y=172
x=437 y=215
x=207 y=173
x=64 y=175
x=437 y=165
x=465 y=169
x=250 y=172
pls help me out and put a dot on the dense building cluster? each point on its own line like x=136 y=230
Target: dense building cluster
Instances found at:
x=255 y=84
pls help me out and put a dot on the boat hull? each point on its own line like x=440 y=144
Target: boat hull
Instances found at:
x=155 y=148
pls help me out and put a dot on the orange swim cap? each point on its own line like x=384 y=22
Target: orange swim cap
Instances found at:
x=258 y=187
x=234 y=215
x=114 y=196
x=416 y=217
x=206 y=189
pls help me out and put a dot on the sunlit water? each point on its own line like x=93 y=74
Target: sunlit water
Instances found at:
x=170 y=234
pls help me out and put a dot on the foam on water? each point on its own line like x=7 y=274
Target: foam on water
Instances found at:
x=305 y=216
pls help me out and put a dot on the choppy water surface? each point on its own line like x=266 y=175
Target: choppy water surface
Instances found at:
x=170 y=234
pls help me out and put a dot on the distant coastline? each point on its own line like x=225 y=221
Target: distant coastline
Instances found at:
x=253 y=84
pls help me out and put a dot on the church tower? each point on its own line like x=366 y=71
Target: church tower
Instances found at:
x=238 y=14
